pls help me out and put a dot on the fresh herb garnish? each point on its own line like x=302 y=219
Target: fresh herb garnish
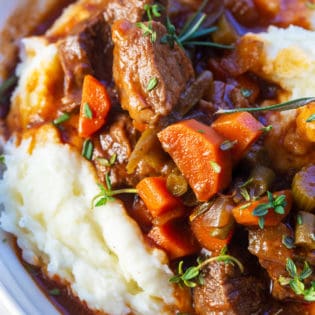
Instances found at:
x=109 y=162
x=152 y=10
x=147 y=30
x=299 y=219
x=227 y=145
x=296 y=280
x=191 y=31
x=106 y=194
x=54 y=292
x=267 y=128
x=61 y=119
x=293 y=104
x=193 y=276
x=2 y=159
x=277 y=204
x=311 y=118
x=245 y=194
x=87 y=111
x=288 y=241
x=216 y=167
x=153 y=82
x=246 y=92
x=87 y=149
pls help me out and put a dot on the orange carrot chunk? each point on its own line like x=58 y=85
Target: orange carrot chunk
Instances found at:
x=175 y=238
x=195 y=148
x=243 y=128
x=95 y=105
x=244 y=213
x=162 y=205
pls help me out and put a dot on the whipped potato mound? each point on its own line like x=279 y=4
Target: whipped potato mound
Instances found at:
x=289 y=59
x=46 y=194
x=39 y=86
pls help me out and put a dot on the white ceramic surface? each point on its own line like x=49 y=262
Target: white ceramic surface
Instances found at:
x=19 y=295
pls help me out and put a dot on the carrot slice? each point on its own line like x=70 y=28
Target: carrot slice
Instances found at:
x=243 y=213
x=95 y=105
x=195 y=148
x=212 y=243
x=175 y=238
x=243 y=128
x=162 y=205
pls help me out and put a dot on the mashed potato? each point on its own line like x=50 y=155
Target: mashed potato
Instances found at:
x=289 y=61
x=40 y=83
x=99 y=252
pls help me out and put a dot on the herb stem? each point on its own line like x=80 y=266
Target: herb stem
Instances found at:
x=222 y=258
x=190 y=33
x=293 y=104
x=123 y=191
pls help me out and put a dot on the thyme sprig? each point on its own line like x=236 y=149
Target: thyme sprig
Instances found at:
x=277 y=204
x=293 y=104
x=191 y=31
x=192 y=276
x=147 y=30
x=106 y=193
x=295 y=281
x=153 y=10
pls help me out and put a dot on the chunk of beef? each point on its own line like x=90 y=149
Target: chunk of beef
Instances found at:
x=267 y=245
x=131 y=10
x=226 y=291
x=88 y=50
x=137 y=60
x=120 y=139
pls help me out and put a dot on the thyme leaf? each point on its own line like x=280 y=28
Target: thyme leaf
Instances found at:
x=87 y=111
x=61 y=119
x=295 y=281
x=147 y=30
x=277 y=204
x=87 y=149
x=153 y=82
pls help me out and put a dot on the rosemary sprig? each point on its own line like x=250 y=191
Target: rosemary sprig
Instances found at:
x=295 y=280
x=293 y=104
x=277 y=204
x=106 y=193
x=191 y=31
x=193 y=276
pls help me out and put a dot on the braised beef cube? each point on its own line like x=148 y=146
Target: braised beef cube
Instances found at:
x=88 y=50
x=138 y=61
x=131 y=10
x=227 y=291
x=267 y=244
